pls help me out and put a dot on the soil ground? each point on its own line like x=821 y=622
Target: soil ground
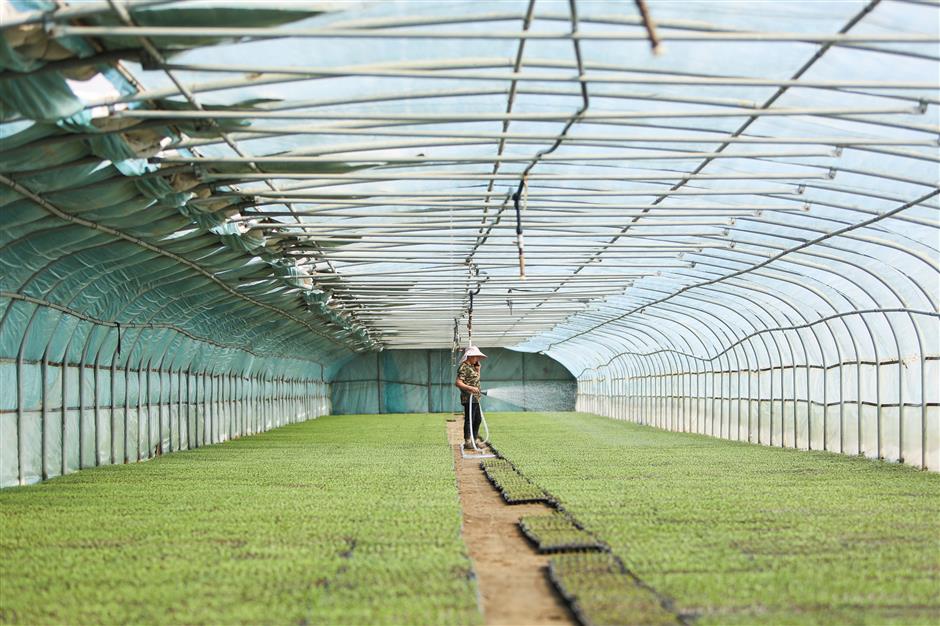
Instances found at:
x=511 y=574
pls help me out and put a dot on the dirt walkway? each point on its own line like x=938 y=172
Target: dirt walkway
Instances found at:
x=512 y=576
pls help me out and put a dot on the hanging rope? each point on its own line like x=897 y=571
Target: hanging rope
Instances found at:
x=470 y=317
x=522 y=194
x=455 y=347
x=649 y=25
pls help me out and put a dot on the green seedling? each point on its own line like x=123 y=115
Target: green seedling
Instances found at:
x=736 y=533
x=342 y=520
x=514 y=487
x=555 y=532
x=600 y=592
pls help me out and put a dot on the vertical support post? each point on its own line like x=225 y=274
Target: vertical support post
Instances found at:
x=825 y=399
x=143 y=380
x=525 y=383
x=81 y=411
x=235 y=421
x=180 y=408
x=160 y=404
x=142 y=405
x=206 y=407
x=113 y=407
x=378 y=382
x=878 y=452
x=20 y=418
x=63 y=440
x=901 y=399
x=195 y=399
x=841 y=396
x=96 y=372
x=239 y=413
x=427 y=354
x=44 y=416
x=719 y=396
x=127 y=411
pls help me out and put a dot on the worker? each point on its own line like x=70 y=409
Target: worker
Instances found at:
x=468 y=381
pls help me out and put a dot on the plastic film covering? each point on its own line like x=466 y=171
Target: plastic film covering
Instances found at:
x=722 y=216
x=422 y=381
x=133 y=323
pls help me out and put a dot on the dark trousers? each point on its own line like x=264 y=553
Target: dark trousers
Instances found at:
x=476 y=419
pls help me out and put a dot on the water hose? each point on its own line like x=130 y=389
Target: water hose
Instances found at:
x=486 y=438
x=486 y=428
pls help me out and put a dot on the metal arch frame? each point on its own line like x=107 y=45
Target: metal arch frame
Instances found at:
x=875 y=350
x=114 y=361
x=891 y=327
x=793 y=360
x=789 y=328
x=769 y=102
x=747 y=320
x=696 y=335
x=444 y=70
x=100 y=350
x=95 y=277
x=754 y=327
x=48 y=342
x=769 y=310
x=671 y=417
x=876 y=359
x=767 y=299
x=676 y=369
x=786 y=304
x=823 y=268
x=660 y=412
x=701 y=30
x=698 y=373
x=798 y=248
x=647 y=374
x=819 y=293
x=256 y=133
x=680 y=323
x=836 y=343
x=121 y=11
x=728 y=332
x=401 y=32
x=759 y=307
x=67 y=217
x=887 y=243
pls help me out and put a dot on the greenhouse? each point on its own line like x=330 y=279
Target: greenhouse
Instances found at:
x=494 y=312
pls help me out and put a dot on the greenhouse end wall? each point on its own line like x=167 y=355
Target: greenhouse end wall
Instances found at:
x=422 y=381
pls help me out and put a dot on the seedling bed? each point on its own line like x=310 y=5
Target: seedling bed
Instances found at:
x=556 y=532
x=731 y=533
x=514 y=487
x=600 y=592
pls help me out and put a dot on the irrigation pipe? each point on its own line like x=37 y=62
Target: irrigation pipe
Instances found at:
x=486 y=429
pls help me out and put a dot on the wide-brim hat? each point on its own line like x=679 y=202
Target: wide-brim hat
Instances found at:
x=471 y=351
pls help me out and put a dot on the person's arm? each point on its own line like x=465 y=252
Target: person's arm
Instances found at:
x=465 y=387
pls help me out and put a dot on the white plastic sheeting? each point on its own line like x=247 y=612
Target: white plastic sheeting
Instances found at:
x=737 y=236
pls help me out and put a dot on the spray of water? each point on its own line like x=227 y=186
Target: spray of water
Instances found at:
x=537 y=396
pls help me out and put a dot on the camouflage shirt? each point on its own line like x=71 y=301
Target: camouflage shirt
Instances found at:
x=468 y=375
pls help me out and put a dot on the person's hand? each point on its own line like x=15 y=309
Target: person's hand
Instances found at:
x=476 y=390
